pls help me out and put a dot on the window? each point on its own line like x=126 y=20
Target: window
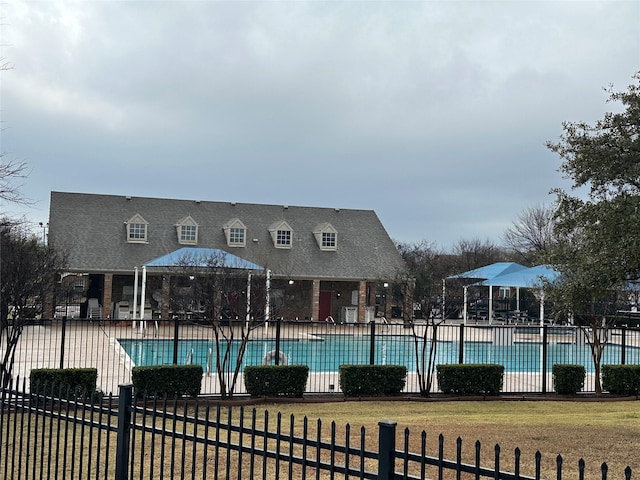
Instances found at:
x=283 y=238
x=281 y=234
x=326 y=236
x=78 y=285
x=236 y=233
x=328 y=240
x=136 y=229
x=188 y=234
x=236 y=236
x=187 y=231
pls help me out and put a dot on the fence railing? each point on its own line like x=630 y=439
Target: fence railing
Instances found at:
x=528 y=352
x=44 y=435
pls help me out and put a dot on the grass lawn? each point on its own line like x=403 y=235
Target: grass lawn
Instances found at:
x=602 y=431
x=594 y=431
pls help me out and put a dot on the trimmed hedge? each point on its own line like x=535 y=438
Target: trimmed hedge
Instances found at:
x=372 y=380
x=81 y=381
x=568 y=379
x=167 y=380
x=621 y=379
x=273 y=380
x=470 y=379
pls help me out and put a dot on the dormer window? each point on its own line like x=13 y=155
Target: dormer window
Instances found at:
x=236 y=233
x=326 y=236
x=329 y=240
x=137 y=229
x=187 y=230
x=281 y=234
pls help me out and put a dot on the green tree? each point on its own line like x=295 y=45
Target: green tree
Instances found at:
x=597 y=223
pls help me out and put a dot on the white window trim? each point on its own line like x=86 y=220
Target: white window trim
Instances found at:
x=281 y=226
x=235 y=224
x=318 y=234
x=137 y=219
x=186 y=222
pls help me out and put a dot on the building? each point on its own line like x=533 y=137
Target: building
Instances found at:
x=322 y=262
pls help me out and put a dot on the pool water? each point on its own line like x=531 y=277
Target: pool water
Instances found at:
x=336 y=350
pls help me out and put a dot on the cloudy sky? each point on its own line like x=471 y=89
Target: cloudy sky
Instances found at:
x=433 y=114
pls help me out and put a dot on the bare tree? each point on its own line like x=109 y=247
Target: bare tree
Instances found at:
x=425 y=340
x=531 y=235
x=29 y=271
x=229 y=300
x=10 y=173
x=474 y=253
x=427 y=266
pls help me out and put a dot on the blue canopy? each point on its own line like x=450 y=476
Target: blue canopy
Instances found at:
x=202 y=257
x=492 y=271
x=524 y=278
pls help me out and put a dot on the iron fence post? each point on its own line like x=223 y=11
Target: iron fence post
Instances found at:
x=543 y=367
x=277 y=359
x=63 y=334
x=386 y=449
x=176 y=334
x=124 y=431
x=461 y=345
x=623 y=346
x=372 y=344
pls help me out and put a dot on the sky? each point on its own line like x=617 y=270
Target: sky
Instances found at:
x=434 y=114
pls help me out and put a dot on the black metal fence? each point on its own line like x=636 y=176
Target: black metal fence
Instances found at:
x=528 y=352
x=48 y=436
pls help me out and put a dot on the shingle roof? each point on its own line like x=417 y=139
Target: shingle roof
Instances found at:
x=91 y=228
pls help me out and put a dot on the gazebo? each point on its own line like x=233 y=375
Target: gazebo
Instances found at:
x=533 y=277
x=507 y=274
x=480 y=275
x=197 y=257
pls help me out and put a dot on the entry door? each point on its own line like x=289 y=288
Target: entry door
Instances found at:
x=325 y=306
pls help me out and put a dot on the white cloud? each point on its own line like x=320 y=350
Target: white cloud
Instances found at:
x=430 y=110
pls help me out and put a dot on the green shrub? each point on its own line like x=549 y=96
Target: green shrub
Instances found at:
x=470 y=379
x=372 y=380
x=81 y=382
x=272 y=380
x=568 y=379
x=167 y=380
x=621 y=379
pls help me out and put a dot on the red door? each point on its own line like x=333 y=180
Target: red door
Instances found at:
x=325 y=306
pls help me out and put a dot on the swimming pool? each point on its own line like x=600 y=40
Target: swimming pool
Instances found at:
x=335 y=350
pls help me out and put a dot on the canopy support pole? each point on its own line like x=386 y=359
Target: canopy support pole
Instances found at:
x=464 y=306
x=444 y=287
x=541 y=311
x=490 y=304
x=142 y=298
x=248 y=316
x=135 y=297
x=267 y=300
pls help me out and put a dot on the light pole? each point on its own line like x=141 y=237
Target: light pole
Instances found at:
x=44 y=227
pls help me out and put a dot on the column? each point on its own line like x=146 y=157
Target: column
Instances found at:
x=107 y=290
x=315 y=300
x=362 y=301
x=164 y=301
